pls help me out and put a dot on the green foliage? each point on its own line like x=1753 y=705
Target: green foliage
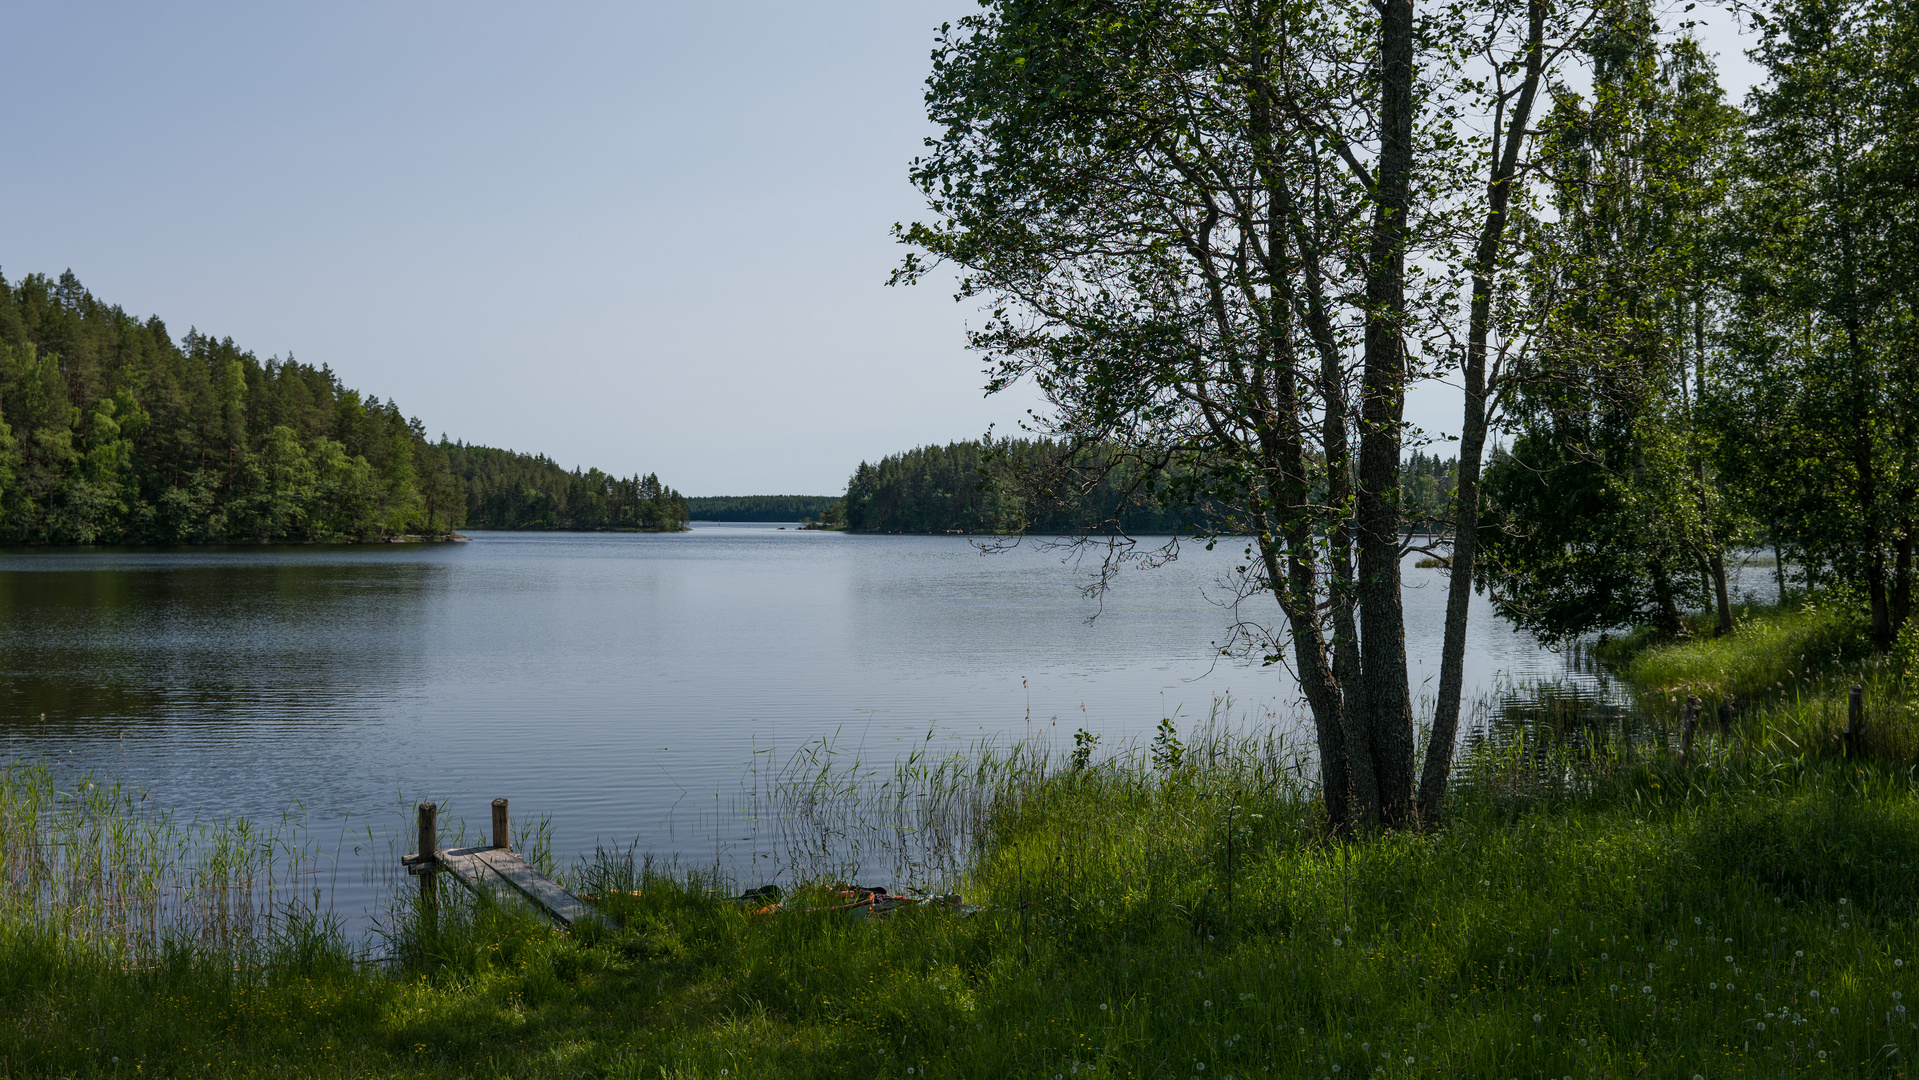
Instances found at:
x=1427 y=485
x=1010 y=485
x=1036 y=485
x=111 y=433
x=761 y=507
x=508 y=490
x=1820 y=424
x=1606 y=512
x=1168 y=753
x=1084 y=743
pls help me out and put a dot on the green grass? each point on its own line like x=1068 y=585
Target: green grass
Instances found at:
x=1590 y=909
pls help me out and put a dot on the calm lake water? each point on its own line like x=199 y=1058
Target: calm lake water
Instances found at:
x=620 y=684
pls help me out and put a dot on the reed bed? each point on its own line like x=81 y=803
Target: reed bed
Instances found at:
x=97 y=864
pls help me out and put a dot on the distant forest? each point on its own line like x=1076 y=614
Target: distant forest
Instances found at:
x=113 y=433
x=939 y=489
x=508 y=490
x=759 y=507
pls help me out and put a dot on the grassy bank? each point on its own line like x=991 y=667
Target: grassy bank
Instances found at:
x=1589 y=909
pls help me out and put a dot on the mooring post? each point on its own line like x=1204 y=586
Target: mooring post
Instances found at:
x=1855 y=720
x=502 y=839
x=1685 y=735
x=429 y=849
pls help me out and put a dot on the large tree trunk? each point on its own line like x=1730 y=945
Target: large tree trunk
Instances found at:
x=1721 y=595
x=1472 y=433
x=1382 y=623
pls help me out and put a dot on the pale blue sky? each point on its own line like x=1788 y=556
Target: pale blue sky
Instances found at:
x=642 y=236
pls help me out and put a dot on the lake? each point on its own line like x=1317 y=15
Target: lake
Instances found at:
x=623 y=685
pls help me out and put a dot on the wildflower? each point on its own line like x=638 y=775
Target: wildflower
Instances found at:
x=1799 y=952
x=1645 y=989
x=1603 y=956
x=1409 y=1061
x=1761 y=1025
x=1728 y=959
x=1696 y=920
x=1102 y=1006
x=1336 y=944
x=1843 y=901
x=1713 y=986
x=1815 y=995
x=1199 y=1066
x=1535 y=1018
x=1835 y=1010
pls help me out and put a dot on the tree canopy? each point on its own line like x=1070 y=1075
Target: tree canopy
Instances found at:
x=111 y=432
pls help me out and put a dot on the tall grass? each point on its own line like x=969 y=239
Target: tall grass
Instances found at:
x=95 y=863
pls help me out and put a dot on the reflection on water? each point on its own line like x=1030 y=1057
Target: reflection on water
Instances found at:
x=624 y=686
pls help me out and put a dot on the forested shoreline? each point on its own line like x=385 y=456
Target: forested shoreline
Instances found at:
x=111 y=432
x=1038 y=486
x=510 y=490
x=760 y=507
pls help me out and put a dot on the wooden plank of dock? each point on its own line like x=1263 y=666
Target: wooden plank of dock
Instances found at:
x=473 y=866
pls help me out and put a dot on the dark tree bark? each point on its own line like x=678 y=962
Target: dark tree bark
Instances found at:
x=1381 y=612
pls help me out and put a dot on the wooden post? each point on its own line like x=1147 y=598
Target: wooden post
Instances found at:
x=1685 y=735
x=1855 y=720
x=429 y=848
x=502 y=839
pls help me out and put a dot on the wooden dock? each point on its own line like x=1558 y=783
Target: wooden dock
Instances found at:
x=480 y=868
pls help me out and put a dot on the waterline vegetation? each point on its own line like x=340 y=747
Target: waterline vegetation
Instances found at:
x=1590 y=907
